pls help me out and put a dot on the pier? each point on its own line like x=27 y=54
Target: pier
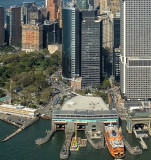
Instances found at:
x=65 y=150
x=5 y=120
x=132 y=150
x=48 y=136
x=143 y=144
x=29 y=123
x=10 y=136
x=20 y=129
x=96 y=139
x=140 y=134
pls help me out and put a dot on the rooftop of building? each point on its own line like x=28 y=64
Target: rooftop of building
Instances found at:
x=50 y=22
x=70 y=5
x=85 y=103
x=136 y=104
x=117 y=50
x=14 y=6
x=140 y=113
x=18 y=107
x=109 y=113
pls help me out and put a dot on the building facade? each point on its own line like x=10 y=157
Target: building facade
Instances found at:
x=70 y=41
x=91 y=51
x=82 y=4
x=32 y=37
x=103 y=5
x=116 y=64
x=107 y=22
x=2 y=33
x=31 y=12
x=116 y=32
x=115 y=6
x=116 y=49
x=52 y=8
x=14 y=25
x=135 y=79
x=24 y=11
x=51 y=34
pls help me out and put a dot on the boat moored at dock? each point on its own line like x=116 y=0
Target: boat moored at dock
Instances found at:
x=114 y=141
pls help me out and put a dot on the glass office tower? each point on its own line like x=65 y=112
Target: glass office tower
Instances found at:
x=71 y=41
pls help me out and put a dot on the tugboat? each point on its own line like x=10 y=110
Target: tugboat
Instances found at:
x=114 y=141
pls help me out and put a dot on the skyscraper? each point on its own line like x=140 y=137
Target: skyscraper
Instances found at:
x=71 y=41
x=82 y=4
x=116 y=49
x=116 y=32
x=50 y=33
x=32 y=37
x=2 y=34
x=107 y=22
x=135 y=57
x=31 y=12
x=14 y=25
x=24 y=11
x=91 y=50
x=52 y=8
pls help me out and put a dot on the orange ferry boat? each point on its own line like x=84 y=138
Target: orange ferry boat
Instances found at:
x=114 y=141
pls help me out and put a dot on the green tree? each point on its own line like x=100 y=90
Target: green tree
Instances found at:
x=45 y=95
x=2 y=93
x=106 y=84
x=45 y=51
x=32 y=106
x=117 y=84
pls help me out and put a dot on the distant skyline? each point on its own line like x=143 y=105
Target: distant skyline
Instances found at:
x=8 y=3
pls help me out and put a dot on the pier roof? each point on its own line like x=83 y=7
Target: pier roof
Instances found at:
x=85 y=103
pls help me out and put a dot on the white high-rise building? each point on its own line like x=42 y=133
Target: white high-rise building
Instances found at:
x=135 y=56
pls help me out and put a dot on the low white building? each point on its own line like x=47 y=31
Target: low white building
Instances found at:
x=17 y=110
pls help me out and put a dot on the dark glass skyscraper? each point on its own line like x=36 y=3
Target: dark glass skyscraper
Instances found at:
x=91 y=69
x=13 y=19
x=116 y=32
x=116 y=49
x=71 y=41
x=50 y=33
x=2 y=34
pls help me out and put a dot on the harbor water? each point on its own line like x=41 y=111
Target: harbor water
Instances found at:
x=23 y=147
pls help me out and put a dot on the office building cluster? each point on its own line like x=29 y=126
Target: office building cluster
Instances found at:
x=31 y=26
x=94 y=34
x=86 y=30
x=121 y=27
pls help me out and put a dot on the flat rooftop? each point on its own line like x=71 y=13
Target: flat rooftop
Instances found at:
x=141 y=114
x=85 y=103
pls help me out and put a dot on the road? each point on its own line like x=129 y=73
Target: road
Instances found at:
x=114 y=91
x=60 y=89
x=8 y=94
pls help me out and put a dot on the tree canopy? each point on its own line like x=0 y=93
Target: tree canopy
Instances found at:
x=28 y=71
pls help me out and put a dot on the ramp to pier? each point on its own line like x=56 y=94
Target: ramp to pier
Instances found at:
x=48 y=136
